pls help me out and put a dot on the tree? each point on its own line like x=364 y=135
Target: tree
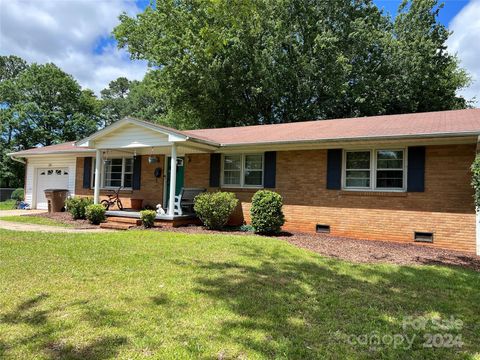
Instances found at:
x=115 y=100
x=40 y=105
x=125 y=97
x=228 y=63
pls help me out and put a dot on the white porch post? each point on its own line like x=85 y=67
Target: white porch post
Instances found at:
x=173 y=179
x=98 y=176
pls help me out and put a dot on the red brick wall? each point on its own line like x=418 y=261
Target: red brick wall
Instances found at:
x=445 y=208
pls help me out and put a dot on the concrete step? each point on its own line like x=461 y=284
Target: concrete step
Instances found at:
x=124 y=220
x=116 y=226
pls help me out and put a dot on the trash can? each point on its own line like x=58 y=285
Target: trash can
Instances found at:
x=56 y=199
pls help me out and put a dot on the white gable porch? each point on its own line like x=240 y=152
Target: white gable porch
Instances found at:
x=135 y=137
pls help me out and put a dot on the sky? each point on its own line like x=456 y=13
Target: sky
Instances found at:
x=76 y=36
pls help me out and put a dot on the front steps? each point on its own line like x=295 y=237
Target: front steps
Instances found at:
x=125 y=223
x=120 y=223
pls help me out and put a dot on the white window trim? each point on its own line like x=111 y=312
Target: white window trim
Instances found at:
x=242 y=172
x=373 y=169
x=102 y=173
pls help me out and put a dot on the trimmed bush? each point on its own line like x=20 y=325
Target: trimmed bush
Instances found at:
x=266 y=212
x=476 y=180
x=95 y=213
x=148 y=217
x=214 y=209
x=76 y=206
x=18 y=194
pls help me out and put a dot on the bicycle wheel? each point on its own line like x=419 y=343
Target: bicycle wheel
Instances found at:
x=106 y=204
x=119 y=204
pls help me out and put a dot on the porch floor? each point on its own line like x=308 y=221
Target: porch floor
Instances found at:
x=123 y=220
x=136 y=215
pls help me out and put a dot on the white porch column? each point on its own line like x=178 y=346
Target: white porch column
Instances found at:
x=478 y=231
x=173 y=179
x=98 y=176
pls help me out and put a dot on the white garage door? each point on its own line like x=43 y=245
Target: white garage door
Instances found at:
x=50 y=178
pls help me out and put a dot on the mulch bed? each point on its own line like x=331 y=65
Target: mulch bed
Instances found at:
x=361 y=251
x=353 y=250
x=66 y=218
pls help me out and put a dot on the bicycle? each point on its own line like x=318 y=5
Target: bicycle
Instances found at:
x=113 y=199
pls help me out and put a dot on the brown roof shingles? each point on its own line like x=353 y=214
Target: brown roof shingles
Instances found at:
x=427 y=124
x=441 y=123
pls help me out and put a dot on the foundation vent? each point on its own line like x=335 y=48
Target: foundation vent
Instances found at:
x=420 y=236
x=322 y=228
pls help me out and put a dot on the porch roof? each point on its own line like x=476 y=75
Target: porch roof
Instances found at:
x=441 y=124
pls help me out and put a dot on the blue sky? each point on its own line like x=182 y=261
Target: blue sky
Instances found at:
x=76 y=35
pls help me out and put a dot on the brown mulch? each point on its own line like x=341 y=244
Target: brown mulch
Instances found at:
x=353 y=250
x=66 y=218
x=361 y=251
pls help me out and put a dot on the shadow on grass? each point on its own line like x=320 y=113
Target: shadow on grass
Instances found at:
x=101 y=348
x=287 y=306
x=46 y=337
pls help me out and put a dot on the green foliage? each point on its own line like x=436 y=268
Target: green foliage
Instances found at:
x=18 y=194
x=476 y=180
x=247 y=62
x=214 y=209
x=148 y=217
x=77 y=206
x=41 y=105
x=266 y=212
x=95 y=213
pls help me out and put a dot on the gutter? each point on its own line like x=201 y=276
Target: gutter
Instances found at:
x=18 y=159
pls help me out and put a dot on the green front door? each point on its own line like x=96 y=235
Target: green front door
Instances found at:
x=180 y=177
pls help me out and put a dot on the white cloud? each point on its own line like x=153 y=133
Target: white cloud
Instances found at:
x=465 y=41
x=67 y=32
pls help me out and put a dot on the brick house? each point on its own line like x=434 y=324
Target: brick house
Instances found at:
x=403 y=178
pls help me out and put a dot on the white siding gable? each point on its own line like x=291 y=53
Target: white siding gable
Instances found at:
x=131 y=136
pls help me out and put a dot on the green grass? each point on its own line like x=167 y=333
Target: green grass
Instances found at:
x=141 y=294
x=34 y=220
x=7 y=204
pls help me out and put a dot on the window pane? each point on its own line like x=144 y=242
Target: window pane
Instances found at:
x=231 y=177
x=128 y=165
x=127 y=180
x=253 y=162
x=253 y=177
x=387 y=159
x=232 y=162
x=390 y=179
x=358 y=160
x=357 y=178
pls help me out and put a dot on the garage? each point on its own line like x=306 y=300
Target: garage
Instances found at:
x=50 y=178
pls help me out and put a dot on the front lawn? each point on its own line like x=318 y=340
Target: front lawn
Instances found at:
x=7 y=204
x=37 y=220
x=143 y=294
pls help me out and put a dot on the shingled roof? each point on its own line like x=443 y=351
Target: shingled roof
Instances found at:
x=429 y=124
x=441 y=123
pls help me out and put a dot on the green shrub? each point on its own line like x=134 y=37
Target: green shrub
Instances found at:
x=18 y=194
x=148 y=217
x=214 y=209
x=476 y=180
x=95 y=213
x=266 y=212
x=76 y=206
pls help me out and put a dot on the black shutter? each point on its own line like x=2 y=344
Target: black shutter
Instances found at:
x=334 y=169
x=270 y=169
x=215 y=165
x=416 y=169
x=87 y=172
x=137 y=172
